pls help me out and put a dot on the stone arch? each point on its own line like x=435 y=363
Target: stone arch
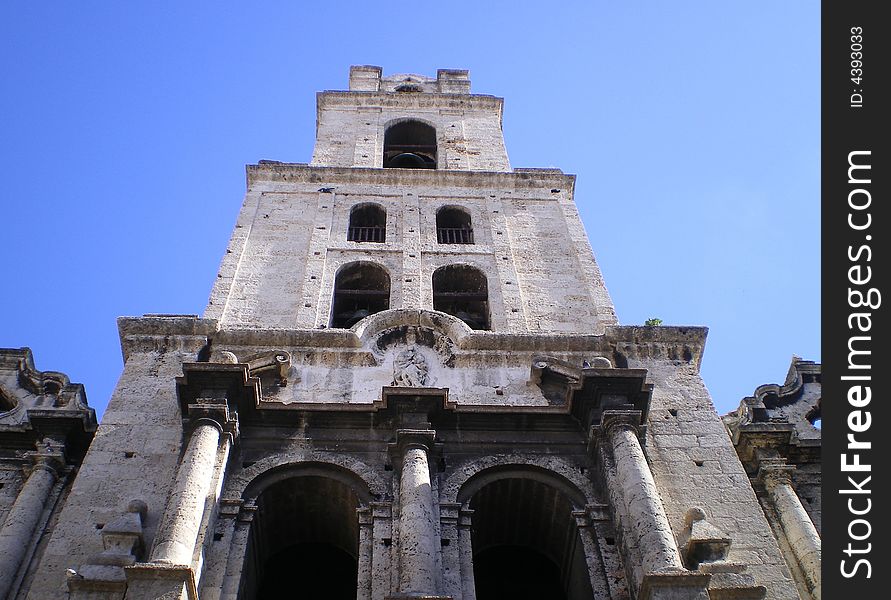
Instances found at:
x=410 y=143
x=368 y=223
x=454 y=225
x=251 y=480
x=370 y=328
x=8 y=402
x=462 y=290
x=305 y=532
x=525 y=539
x=361 y=288
x=549 y=469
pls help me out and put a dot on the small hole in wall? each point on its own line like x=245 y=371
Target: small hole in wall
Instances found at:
x=307 y=305
x=673 y=412
x=316 y=253
x=312 y=276
x=515 y=310
x=100 y=525
x=217 y=537
x=610 y=541
x=388 y=542
x=699 y=463
x=446 y=542
x=129 y=454
x=555 y=191
x=388 y=467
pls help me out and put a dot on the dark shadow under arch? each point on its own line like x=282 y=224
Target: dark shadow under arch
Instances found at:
x=304 y=536
x=360 y=289
x=462 y=291
x=526 y=544
x=368 y=223
x=410 y=144
x=453 y=226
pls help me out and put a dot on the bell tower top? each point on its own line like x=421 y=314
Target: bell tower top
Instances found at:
x=409 y=121
x=409 y=204
x=365 y=78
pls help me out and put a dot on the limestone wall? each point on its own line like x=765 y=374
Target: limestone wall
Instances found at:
x=695 y=464
x=291 y=238
x=134 y=455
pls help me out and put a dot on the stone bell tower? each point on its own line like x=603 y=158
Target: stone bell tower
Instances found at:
x=409 y=382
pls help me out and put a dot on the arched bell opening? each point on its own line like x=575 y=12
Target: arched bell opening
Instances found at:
x=462 y=291
x=368 y=223
x=453 y=226
x=410 y=145
x=304 y=541
x=360 y=289
x=526 y=545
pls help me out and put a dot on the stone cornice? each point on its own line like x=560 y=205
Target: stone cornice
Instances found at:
x=271 y=171
x=152 y=333
x=408 y=101
x=189 y=332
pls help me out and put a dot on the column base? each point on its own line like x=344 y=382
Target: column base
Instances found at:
x=154 y=581
x=731 y=582
x=675 y=585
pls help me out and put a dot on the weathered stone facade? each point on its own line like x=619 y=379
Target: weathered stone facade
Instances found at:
x=776 y=435
x=409 y=382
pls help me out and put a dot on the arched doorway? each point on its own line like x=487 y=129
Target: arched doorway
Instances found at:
x=304 y=541
x=526 y=545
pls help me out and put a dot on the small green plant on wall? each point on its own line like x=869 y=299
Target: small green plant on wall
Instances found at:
x=654 y=322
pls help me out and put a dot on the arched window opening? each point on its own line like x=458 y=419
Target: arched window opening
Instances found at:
x=6 y=403
x=453 y=226
x=462 y=291
x=305 y=537
x=360 y=289
x=368 y=223
x=526 y=544
x=410 y=145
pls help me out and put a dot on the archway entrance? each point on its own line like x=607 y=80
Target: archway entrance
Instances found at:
x=525 y=543
x=304 y=542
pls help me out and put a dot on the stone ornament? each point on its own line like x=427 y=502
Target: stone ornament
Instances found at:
x=410 y=368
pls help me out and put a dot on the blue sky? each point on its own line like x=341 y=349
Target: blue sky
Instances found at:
x=693 y=128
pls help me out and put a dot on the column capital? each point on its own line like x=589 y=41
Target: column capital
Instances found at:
x=213 y=410
x=775 y=471
x=617 y=420
x=406 y=438
x=48 y=455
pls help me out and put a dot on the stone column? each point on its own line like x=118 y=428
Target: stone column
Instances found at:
x=417 y=539
x=366 y=549
x=465 y=549
x=382 y=576
x=803 y=538
x=633 y=482
x=593 y=560
x=26 y=512
x=235 y=562
x=178 y=532
x=631 y=486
